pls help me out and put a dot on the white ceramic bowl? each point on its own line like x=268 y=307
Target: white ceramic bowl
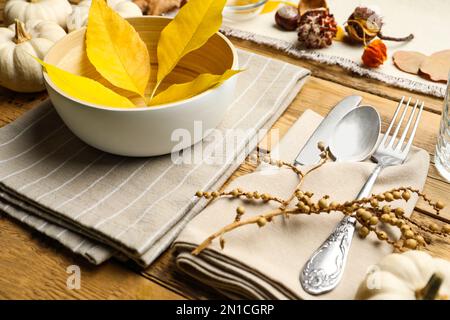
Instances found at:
x=144 y=131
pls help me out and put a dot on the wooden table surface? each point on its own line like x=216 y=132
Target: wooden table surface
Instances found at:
x=34 y=267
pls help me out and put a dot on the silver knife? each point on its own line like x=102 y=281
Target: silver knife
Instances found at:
x=310 y=154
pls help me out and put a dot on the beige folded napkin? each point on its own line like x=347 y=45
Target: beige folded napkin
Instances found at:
x=265 y=263
x=100 y=205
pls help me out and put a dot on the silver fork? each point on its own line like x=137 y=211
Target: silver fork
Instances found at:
x=323 y=271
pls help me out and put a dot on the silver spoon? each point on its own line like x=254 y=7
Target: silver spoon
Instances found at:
x=356 y=135
x=354 y=139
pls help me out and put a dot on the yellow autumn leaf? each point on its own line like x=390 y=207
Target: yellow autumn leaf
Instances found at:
x=85 y=89
x=191 y=28
x=116 y=50
x=271 y=6
x=187 y=90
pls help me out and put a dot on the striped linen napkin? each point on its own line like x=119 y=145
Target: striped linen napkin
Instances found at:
x=266 y=263
x=100 y=205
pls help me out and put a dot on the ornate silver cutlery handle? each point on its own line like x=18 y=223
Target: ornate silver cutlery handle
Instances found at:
x=323 y=271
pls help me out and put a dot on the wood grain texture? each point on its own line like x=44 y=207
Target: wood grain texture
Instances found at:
x=164 y=271
x=13 y=104
x=34 y=267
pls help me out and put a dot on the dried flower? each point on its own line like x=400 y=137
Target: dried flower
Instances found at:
x=365 y=23
x=375 y=54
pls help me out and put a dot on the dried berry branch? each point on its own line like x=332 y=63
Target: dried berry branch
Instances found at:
x=371 y=213
x=261 y=221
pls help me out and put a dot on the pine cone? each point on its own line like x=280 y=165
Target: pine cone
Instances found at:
x=317 y=28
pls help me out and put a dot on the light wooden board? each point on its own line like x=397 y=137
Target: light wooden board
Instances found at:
x=34 y=267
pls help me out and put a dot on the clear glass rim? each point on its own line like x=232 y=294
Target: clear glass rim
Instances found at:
x=246 y=6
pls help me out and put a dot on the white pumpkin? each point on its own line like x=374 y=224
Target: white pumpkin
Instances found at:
x=79 y=16
x=407 y=276
x=49 y=10
x=18 y=70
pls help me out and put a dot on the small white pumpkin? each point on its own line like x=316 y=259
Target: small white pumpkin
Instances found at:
x=18 y=43
x=79 y=16
x=49 y=10
x=412 y=275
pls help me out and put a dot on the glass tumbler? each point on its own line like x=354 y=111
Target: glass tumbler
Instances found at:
x=442 y=157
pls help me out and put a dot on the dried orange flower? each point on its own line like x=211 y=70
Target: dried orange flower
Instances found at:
x=375 y=54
